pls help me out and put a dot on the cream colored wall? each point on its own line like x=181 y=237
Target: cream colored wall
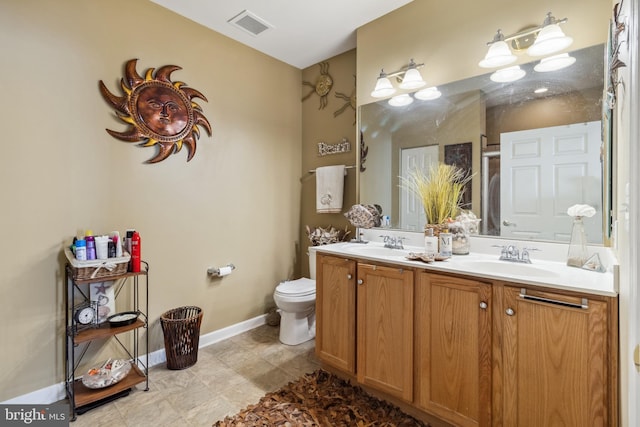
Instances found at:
x=450 y=39
x=322 y=125
x=237 y=201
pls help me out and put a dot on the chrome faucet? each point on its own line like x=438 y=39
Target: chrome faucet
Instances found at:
x=513 y=254
x=392 y=242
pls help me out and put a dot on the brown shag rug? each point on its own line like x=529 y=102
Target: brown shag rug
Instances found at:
x=320 y=399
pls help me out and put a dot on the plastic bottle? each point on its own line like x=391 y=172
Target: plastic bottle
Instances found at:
x=445 y=243
x=430 y=243
x=91 y=244
x=81 y=250
x=135 y=252
x=118 y=243
x=127 y=240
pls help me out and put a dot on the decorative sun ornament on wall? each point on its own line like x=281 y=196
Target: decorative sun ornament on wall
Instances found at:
x=159 y=112
x=323 y=85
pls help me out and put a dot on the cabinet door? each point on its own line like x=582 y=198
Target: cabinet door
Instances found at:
x=335 y=312
x=555 y=360
x=453 y=348
x=385 y=329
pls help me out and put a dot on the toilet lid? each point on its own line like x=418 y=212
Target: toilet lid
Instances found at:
x=298 y=287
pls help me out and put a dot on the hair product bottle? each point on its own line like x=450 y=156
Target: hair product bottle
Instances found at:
x=91 y=244
x=135 y=252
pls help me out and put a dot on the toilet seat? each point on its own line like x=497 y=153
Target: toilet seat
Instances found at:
x=298 y=288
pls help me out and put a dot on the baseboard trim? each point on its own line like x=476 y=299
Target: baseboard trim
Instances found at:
x=56 y=392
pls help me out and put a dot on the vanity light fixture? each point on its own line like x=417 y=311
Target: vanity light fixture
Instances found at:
x=554 y=63
x=509 y=74
x=409 y=78
x=542 y=40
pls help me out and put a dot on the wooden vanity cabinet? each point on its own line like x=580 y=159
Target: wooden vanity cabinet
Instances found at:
x=470 y=352
x=453 y=348
x=558 y=364
x=385 y=329
x=335 y=312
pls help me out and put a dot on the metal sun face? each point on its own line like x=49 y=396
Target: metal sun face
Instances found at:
x=159 y=112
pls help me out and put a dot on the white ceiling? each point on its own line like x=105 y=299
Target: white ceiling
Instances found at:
x=304 y=32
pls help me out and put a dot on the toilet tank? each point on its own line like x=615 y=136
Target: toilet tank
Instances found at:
x=312 y=263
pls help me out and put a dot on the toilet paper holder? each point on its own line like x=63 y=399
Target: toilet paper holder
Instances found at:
x=221 y=271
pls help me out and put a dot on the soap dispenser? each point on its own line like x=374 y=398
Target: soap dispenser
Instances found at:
x=430 y=243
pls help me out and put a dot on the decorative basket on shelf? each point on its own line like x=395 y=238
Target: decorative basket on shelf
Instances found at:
x=97 y=268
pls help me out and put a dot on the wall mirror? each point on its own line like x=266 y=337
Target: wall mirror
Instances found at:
x=559 y=136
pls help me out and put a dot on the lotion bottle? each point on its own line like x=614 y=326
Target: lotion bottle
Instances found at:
x=445 y=243
x=430 y=243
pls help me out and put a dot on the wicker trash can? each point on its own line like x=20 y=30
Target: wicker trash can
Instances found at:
x=181 y=330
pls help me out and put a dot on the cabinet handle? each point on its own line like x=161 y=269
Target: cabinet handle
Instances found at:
x=360 y=282
x=349 y=277
x=584 y=302
x=510 y=312
x=483 y=305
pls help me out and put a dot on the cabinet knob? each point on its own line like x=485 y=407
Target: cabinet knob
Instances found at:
x=483 y=305
x=360 y=282
x=510 y=312
x=349 y=277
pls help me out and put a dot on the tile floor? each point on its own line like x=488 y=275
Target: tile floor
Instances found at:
x=227 y=377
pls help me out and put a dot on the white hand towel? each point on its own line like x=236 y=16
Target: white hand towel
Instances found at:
x=329 y=188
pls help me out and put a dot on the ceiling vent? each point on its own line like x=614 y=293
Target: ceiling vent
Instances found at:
x=250 y=23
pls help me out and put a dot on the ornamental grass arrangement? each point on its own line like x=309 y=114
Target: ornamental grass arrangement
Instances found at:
x=440 y=190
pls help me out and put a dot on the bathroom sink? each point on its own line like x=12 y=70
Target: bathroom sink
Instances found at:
x=507 y=268
x=380 y=251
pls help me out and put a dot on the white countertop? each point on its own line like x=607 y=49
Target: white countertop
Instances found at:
x=541 y=272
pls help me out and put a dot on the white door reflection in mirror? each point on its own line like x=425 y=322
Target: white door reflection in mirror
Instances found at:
x=412 y=215
x=544 y=172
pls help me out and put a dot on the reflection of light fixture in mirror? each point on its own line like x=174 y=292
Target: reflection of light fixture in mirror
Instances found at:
x=428 y=94
x=509 y=74
x=554 y=63
x=409 y=77
x=401 y=100
x=499 y=53
x=541 y=90
x=547 y=38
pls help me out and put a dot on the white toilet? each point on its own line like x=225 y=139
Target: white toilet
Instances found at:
x=296 y=301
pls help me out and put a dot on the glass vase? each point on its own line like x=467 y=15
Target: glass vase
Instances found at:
x=577 y=255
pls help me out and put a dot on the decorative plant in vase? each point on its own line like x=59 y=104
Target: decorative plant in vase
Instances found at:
x=440 y=190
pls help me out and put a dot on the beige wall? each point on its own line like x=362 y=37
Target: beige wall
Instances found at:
x=237 y=201
x=321 y=125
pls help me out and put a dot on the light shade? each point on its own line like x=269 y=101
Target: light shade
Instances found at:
x=412 y=79
x=553 y=63
x=550 y=40
x=383 y=87
x=498 y=55
x=509 y=74
x=401 y=100
x=428 y=94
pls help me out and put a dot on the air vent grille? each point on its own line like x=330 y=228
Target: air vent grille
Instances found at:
x=250 y=23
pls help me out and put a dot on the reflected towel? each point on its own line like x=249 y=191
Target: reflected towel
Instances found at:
x=329 y=188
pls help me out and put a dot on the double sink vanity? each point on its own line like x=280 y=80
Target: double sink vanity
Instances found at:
x=472 y=340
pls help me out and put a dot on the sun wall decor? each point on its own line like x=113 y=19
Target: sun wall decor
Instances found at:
x=322 y=87
x=159 y=112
